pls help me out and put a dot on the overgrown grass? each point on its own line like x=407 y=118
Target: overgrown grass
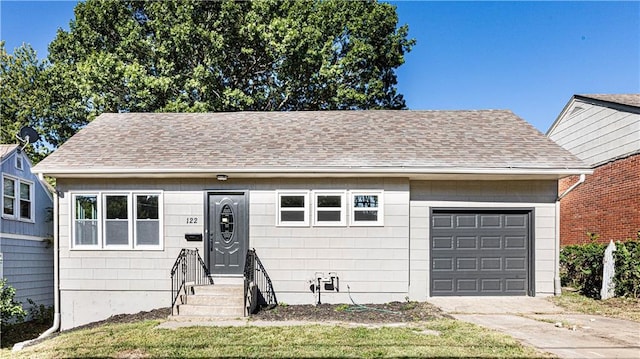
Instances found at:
x=143 y=339
x=623 y=308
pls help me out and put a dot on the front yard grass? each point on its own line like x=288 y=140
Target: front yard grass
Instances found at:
x=622 y=308
x=143 y=339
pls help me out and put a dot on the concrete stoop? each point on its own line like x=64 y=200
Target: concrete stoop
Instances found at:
x=210 y=303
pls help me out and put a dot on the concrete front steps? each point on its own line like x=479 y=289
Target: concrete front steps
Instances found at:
x=211 y=303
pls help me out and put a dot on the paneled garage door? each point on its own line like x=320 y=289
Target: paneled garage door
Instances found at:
x=476 y=252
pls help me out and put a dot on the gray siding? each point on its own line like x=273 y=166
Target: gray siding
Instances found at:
x=539 y=195
x=373 y=261
x=378 y=264
x=597 y=134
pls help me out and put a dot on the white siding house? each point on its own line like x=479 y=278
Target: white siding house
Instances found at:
x=389 y=204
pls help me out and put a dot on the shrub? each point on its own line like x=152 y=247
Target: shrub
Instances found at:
x=9 y=308
x=40 y=313
x=581 y=267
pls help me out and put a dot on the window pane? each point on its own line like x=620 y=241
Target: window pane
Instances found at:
x=329 y=201
x=9 y=187
x=292 y=201
x=86 y=232
x=25 y=191
x=328 y=216
x=86 y=207
x=365 y=215
x=147 y=207
x=25 y=209
x=116 y=232
x=116 y=207
x=292 y=216
x=8 y=206
x=148 y=232
x=365 y=201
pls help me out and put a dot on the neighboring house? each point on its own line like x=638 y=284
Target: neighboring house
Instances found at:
x=26 y=229
x=391 y=204
x=604 y=132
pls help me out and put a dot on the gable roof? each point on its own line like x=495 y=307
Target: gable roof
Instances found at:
x=6 y=150
x=632 y=100
x=322 y=142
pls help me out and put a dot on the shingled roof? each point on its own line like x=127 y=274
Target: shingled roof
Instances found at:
x=632 y=100
x=490 y=141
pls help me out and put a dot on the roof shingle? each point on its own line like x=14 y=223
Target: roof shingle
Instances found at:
x=622 y=99
x=323 y=139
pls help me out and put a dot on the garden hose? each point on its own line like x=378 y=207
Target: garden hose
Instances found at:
x=358 y=308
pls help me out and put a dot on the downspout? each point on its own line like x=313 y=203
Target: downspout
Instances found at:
x=56 y=280
x=557 y=285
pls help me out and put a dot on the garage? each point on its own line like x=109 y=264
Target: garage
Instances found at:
x=476 y=252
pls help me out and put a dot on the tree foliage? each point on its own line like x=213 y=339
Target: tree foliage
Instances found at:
x=37 y=95
x=227 y=56
x=200 y=56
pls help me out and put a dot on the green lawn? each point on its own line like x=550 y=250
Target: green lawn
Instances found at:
x=143 y=339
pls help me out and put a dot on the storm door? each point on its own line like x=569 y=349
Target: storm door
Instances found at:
x=227 y=227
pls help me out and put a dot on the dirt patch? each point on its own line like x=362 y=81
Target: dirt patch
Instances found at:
x=393 y=312
x=155 y=314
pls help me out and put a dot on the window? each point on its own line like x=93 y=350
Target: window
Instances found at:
x=19 y=162
x=330 y=208
x=9 y=197
x=25 y=200
x=147 y=220
x=17 y=199
x=86 y=220
x=117 y=221
x=293 y=208
x=367 y=208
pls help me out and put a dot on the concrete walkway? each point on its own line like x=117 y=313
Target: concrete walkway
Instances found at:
x=539 y=323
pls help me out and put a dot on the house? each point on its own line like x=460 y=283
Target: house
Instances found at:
x=604 y=132
x=379 y=205
x=26 y=229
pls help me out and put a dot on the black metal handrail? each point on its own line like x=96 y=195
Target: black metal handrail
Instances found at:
x=188 y=268
x=258 y=289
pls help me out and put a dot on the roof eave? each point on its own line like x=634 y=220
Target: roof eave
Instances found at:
x=295 y=172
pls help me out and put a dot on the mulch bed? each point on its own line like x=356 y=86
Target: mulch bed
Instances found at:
x=393 y=312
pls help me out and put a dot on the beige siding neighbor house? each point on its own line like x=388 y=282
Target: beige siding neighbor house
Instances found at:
x=379 y=205
x=604 y=132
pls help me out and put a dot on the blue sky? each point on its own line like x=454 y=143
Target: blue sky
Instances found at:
x=529 y=57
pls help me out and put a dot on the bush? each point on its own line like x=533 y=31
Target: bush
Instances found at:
x=581 y=267
x=9 y=308
x=40 y=313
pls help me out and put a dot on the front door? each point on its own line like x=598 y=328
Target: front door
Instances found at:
x=227 y=232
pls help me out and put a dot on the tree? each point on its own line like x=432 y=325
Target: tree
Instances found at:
x=144 y=56
x=37 y=95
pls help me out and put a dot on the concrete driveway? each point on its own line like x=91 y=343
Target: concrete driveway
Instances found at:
x=539 y=323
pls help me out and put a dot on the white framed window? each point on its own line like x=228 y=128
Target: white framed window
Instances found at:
x=86 y=225
x=117 y=220
x=19 y=162
x=17 y=199
x=292 y=208
x=330 y=208
x=367 y=208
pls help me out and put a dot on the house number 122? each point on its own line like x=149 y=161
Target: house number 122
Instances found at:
x=192 y=220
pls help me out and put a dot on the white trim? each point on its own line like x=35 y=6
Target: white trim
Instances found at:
x=23 y=237
x=305 y=209
x=21 y=161
x=101 y=217
x=17 y=181
x=411 y=172
x=379 y=209
x=343 y=208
